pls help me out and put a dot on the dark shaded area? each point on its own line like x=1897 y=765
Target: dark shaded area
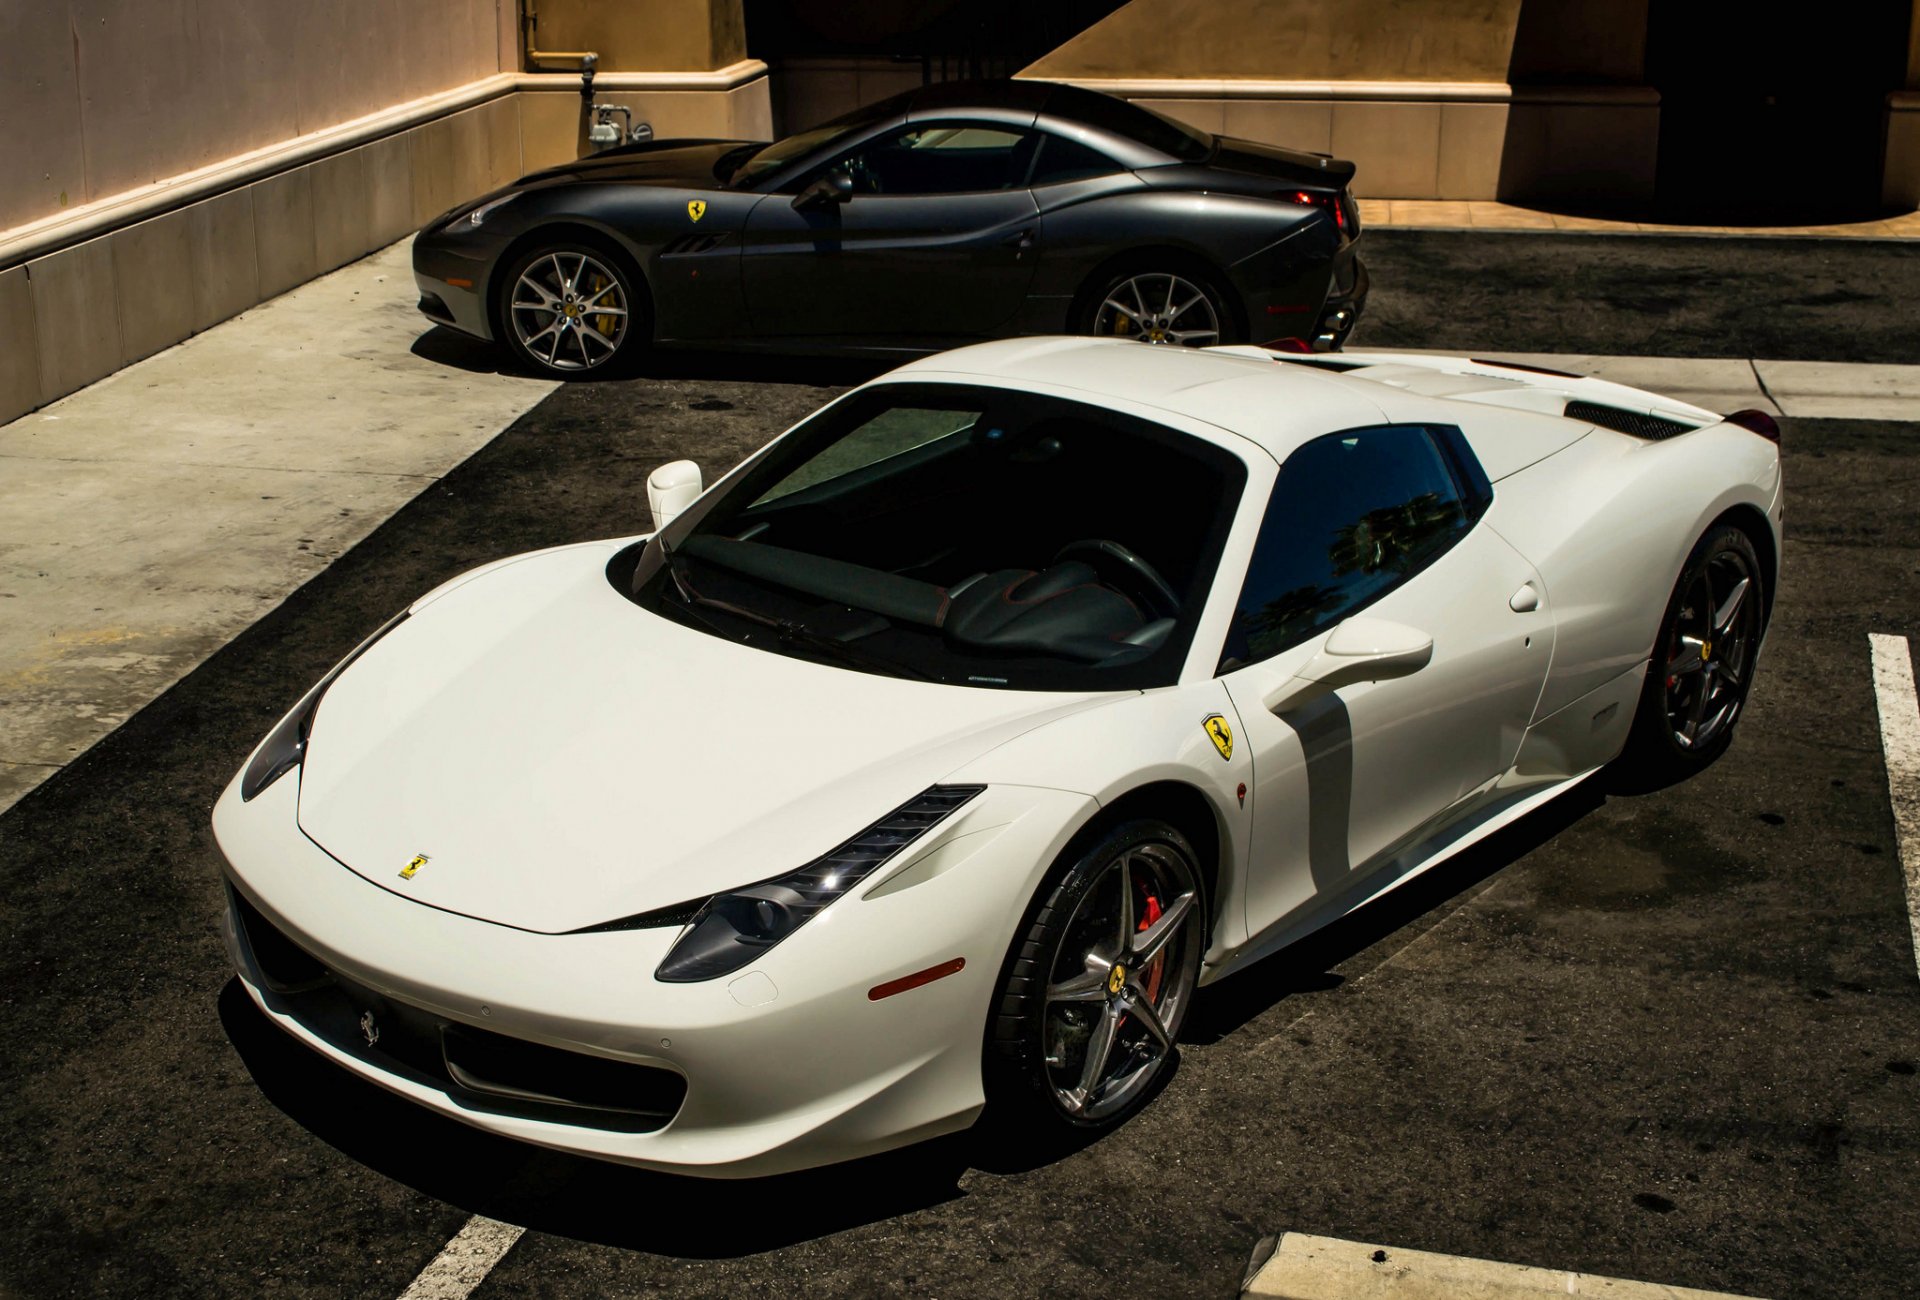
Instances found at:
x=1646 y=295
x=1658 y=1037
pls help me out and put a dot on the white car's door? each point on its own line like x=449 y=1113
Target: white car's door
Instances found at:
x=1382 y=524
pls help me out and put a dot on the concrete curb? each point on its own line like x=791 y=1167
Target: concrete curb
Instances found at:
x=1303 y=1267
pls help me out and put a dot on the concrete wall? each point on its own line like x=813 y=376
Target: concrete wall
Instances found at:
x=102 y=96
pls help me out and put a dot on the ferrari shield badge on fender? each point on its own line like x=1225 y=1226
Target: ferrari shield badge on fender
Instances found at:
x=419 y=861
x=1220 y=734
x=696 y=208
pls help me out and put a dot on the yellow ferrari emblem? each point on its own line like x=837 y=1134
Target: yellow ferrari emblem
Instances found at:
x=1220 y=734
x=419 y=861
x=696 y=208
x=1116 y=978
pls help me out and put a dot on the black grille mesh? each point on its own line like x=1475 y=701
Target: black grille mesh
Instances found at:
x=1650 y=427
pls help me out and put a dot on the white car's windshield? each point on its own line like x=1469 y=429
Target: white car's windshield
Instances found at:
x=974 y=535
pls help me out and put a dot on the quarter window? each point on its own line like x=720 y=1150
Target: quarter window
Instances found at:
x=1352 y=516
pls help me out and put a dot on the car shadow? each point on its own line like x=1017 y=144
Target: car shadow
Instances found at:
x=675 y=1215
x=446 y=346
x=1308 y=966
x=572 y=1196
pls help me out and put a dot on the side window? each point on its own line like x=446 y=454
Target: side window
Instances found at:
x=942 y=158
x=1353 y=515
x=1062 y=159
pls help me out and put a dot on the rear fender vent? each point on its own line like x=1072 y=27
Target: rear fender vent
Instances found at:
x=1651 y=428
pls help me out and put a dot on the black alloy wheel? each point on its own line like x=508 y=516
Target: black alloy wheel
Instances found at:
x=570 y=310
x=1096 y=986
x=1703 y=660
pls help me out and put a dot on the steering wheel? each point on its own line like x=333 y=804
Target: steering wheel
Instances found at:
x=1121 y=568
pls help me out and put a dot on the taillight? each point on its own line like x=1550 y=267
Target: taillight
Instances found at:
x=1325 y=202
x=1757 y=422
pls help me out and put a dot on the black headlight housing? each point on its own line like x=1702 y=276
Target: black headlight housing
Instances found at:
x=733 y=929
x=286 y=745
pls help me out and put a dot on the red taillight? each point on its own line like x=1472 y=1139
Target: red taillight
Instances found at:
x=1757 y=422
x=1325 y=202
x=1287 y=345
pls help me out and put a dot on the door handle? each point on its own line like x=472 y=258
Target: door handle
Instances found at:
x=1019 y=239
x=1525 y=600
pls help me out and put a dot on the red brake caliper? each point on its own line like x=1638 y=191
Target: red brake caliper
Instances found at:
x=1147 y=918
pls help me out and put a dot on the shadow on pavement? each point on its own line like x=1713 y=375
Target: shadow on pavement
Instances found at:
x=1308 y=966
x=443 y=345
x=571 y=1196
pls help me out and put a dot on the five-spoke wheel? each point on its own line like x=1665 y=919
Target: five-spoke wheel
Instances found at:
x=1703 y=659
x=569 y=309
x=1097 y=986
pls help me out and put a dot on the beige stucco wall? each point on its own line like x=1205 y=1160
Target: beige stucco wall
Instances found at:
x=663 y=35
x=1303 y=40
x=103 y=96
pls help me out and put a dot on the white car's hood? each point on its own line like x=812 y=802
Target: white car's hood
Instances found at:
x=564 y=758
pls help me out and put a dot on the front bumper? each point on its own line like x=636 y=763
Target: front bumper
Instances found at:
x=786 y=1064
x=453 y=280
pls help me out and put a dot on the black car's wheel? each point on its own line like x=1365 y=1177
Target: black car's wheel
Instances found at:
x=572 y=308
x=1095 y=987
x=1159 y=304
x=1703 y=659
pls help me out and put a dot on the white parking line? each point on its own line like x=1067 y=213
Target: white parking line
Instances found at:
x=464 y=1262
x=1900 y=739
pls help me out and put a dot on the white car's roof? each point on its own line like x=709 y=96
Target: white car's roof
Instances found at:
x=1512 y=415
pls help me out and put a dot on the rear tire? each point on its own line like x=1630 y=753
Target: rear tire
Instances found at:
x=1157 y=300
x=574 y=308
x=1096 y=985
x=1702 y=664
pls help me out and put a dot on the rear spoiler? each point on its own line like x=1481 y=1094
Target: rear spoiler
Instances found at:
x=1518 y=385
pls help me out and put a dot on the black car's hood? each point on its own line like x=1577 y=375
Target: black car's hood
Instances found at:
x=1252 y=158
x=684 y=164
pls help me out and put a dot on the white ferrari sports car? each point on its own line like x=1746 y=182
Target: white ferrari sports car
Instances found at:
x=929 y=761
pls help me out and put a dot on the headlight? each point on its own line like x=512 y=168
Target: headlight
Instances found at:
x=286 y=744
x=730 y=930
x=479 y=215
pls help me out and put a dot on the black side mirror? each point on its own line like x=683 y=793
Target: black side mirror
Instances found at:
x=835 y=186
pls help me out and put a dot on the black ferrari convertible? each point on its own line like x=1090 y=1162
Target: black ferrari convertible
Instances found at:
x=948 y=214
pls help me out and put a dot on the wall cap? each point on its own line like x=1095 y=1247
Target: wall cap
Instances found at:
x=87 y=221
x=1421 y=92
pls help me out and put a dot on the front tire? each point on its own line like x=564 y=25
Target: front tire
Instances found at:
x=1703 y=660
x=1096 y=985
x=573 y=309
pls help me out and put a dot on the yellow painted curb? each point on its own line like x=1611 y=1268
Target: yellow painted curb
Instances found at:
x=1304 y=1267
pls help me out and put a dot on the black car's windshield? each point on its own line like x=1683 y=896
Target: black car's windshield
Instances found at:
x=962 y=534
x=748 y=168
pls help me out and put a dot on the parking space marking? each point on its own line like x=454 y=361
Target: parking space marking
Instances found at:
x=1302 y=1265
x=464 y=1262
x=1900 y=739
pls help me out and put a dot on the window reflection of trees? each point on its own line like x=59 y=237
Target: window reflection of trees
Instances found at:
x=1393 y=540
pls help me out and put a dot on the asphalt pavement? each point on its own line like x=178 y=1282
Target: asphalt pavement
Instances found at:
x=1667 y=1035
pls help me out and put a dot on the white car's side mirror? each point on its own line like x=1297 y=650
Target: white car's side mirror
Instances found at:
x=670 y=489
x=1359 y=650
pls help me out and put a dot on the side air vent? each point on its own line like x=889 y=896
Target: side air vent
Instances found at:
x=692 y=244
x=1652 y=428
x=1320 y=363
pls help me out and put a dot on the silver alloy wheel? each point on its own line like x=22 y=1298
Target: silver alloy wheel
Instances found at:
x=1120 y=980
x=569 y=311
x=1710 y=650
x=1157 y=307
